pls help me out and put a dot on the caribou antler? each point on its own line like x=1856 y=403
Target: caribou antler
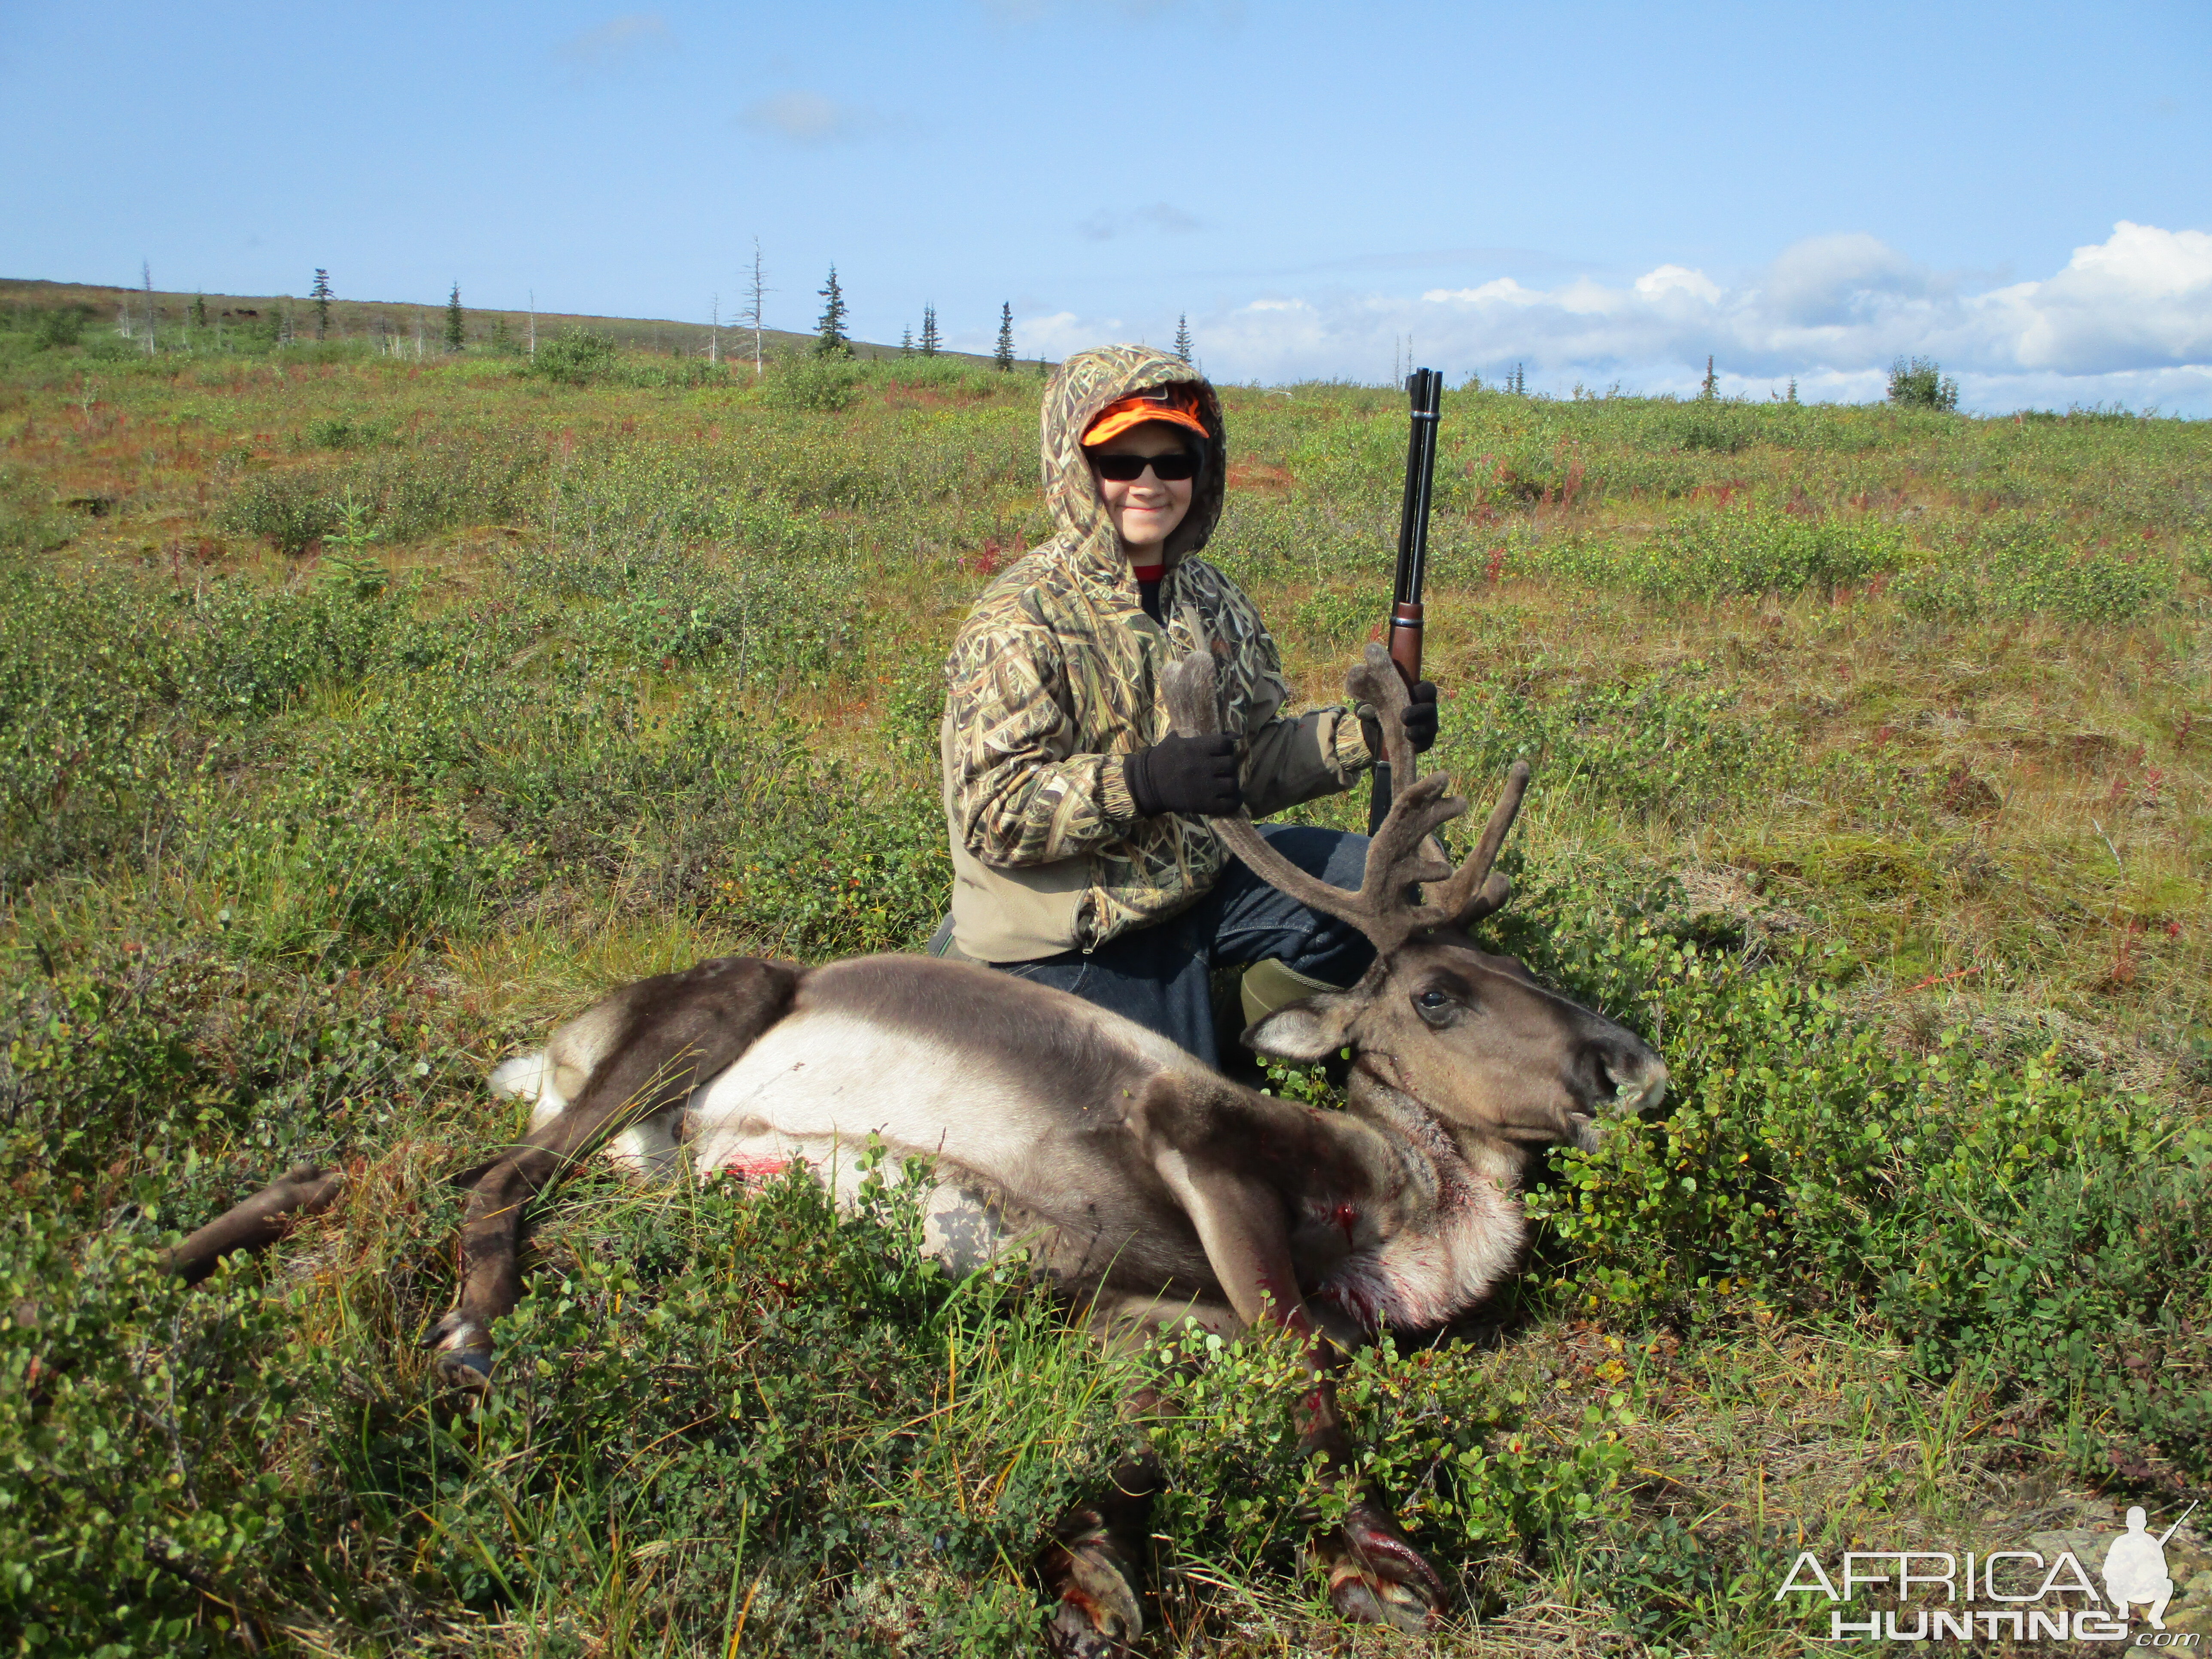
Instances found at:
x=1400 y=855
x=1401 y=858
x=1473 y=892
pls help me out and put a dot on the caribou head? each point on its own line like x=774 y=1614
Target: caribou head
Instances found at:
x=1436 y=1021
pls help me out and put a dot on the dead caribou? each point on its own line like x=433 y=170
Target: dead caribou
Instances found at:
x=1147 y=1187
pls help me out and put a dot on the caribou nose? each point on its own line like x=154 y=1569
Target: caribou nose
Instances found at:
x=1638 y=1079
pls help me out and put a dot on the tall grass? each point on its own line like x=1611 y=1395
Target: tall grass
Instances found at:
x=357 y=716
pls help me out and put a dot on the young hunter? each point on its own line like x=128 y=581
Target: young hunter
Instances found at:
x=1080 y=857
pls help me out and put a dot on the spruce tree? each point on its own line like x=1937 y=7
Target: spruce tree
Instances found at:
x=456 y=338
x=906 y=344
x=829 y=338
x=199 y=311
x=320 y=293
x=1002 y=355
x=1710 y=387
x=931 y=342
x=1182 y=337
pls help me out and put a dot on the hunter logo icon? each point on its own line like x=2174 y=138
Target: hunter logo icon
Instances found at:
x=2135 y=1568
x=2041 y=1594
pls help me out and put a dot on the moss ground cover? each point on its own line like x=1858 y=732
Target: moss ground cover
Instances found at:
x=360 y=714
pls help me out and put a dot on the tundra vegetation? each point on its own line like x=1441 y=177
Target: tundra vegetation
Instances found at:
x=360 y=715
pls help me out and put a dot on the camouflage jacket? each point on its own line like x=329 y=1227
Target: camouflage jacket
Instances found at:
x=1053 y=681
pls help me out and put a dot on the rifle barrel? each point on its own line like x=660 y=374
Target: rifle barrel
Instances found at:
x=1425 y=392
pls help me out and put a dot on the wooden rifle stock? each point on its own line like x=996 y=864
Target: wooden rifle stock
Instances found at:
x=1425 y=390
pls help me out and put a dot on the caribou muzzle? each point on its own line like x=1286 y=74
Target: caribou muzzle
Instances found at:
x=1625 y=1078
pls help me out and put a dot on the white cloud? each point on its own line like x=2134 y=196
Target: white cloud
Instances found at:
x=617 y=42
x=1161 y=218
x=1657 y=284
x=811 y=118
x=2140 y=300
x=1056 y=335
x=2127 y=320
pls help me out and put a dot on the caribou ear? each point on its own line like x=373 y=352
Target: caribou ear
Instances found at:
x=1312 y=1029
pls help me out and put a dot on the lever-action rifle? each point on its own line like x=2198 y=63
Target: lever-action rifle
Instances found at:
x=1424 y=389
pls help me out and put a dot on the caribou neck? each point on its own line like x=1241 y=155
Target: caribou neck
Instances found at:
x=1451 y=1151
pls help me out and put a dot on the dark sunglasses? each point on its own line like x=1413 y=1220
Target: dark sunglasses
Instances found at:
x=1172 y=468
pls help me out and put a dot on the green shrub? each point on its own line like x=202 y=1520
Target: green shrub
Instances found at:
x=1666 y=745
x=813 y=385
x=839 y=872
x=345 y=432
x=574 y=357
x=125 y=1401
x=1707 y=557
x=1714 y=426
x=292 y=510
x=61 y=327
x=1470 y=1471
x=2007 y=1219
x=28 y=523
x=406 y=492
x=2024 y=565
x=1920 y=383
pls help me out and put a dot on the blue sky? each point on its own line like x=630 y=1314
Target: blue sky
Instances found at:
x=1605 y=193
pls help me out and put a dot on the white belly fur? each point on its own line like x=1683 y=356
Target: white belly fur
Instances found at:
x=814 y=1089
x=833 y=1078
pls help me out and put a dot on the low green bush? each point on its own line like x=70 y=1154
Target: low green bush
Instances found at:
x=1668 y=745
x=345 y=431
x=403 y=492
x=28 y=522
x=574 y=357
x=1474 y=1473
x=1707 y=557
x=2023 y=565
x=813 y=385
x=2002 y=1217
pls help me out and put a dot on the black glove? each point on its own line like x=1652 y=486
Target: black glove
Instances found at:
x=1421 y=715
x=1186 y=775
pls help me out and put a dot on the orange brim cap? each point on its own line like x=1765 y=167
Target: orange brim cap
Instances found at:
x=1176 y=405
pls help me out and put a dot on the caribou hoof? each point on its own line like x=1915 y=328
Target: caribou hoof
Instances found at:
x=468 y=1370
x=1377 y=1578
x=463 y=1359
x=1098 y=1617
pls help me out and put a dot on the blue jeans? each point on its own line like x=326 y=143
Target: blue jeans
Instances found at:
x=1158 y=975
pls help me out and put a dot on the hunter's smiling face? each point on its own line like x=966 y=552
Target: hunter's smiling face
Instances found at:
x=1146 y=509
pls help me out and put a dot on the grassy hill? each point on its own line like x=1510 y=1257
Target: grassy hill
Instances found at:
x=361 y=714
x=114 y=321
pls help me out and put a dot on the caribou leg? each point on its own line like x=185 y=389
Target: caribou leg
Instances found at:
x=642 y=1053
x=1233 y=1160
x=1095 y=1564
x=258 y=1223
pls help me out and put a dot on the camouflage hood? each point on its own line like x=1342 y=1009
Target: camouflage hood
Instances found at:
x=1054 y=683
x=1083 y=386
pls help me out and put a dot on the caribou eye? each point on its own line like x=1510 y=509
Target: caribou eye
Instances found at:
x=1435 y=1006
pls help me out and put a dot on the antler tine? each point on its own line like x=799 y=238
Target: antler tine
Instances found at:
x=1195 y=710
x=1473 y=892
x=1194 y=706
x=1375 y=681
x=1400 y=854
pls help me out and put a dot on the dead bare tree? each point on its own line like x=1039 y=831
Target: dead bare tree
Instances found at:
x=756 y=293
